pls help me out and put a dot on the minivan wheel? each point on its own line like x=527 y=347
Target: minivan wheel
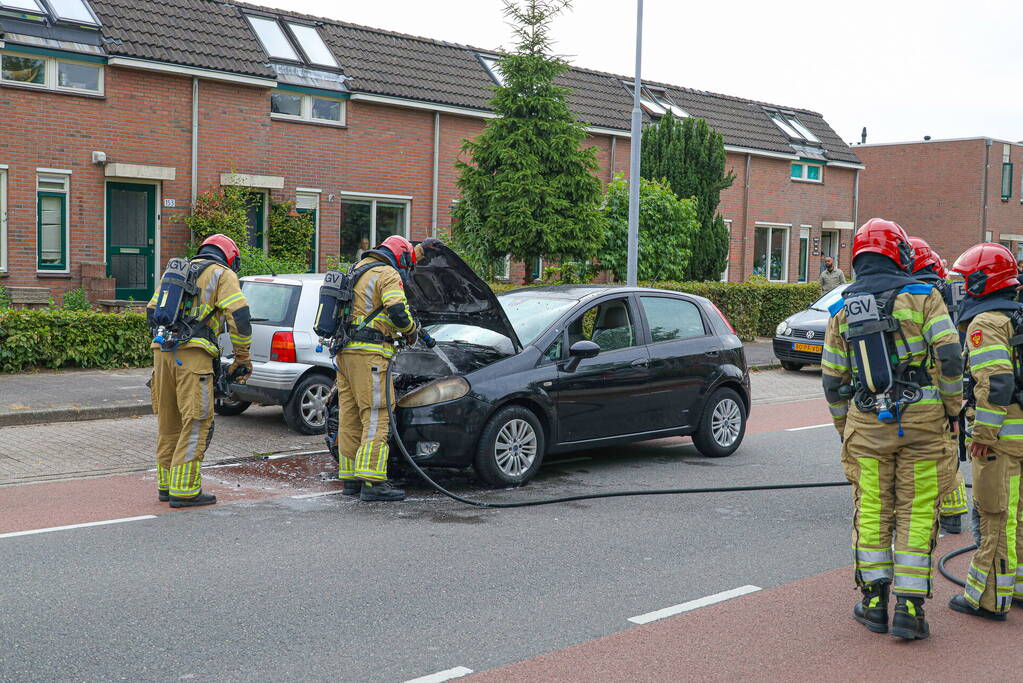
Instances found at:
x=791 y=366
x=722 y=425
x=511 y=448
x=226 y=406
x=306 y=410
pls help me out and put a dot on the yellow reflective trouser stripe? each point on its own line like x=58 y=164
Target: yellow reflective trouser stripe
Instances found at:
x=1010 y=530
x=371 y=461
x=925 y=494
x=163 y=477
x=869 y=518
x=385 y=350
x=186 y=479
x=955 y=502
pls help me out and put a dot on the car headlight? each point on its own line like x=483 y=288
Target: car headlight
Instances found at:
x=438 y=391
x=782 y=326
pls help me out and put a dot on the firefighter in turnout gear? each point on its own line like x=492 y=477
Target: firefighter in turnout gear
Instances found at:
x=992 y=320
x=928 y=267
x=380 y=314
x=184 y=356
x=892 y=374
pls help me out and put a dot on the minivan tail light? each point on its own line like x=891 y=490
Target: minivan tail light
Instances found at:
x=732 y=329
x=282 y=347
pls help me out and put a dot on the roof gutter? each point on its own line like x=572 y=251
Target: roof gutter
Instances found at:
x=209 y=74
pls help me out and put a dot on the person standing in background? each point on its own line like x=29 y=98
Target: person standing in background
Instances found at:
x=831 y=276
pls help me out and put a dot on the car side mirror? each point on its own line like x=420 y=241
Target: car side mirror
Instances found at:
x=578 y=352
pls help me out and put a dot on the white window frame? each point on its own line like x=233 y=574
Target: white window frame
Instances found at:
x=800 y=128
x=375 y=199
x=255 y=20
x=92 y=21
x=490 y=63
x=51 y=79
x=805 y=173
x=771 y=228
x=49 y=174
x=314 y=196
x=39 y=7
x=297 y=35
x=307 y=109
x=728 y=261
x=3 y=219
x=804 y=234
x=660 y=96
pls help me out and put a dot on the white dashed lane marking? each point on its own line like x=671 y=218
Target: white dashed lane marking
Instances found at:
x=693 y=604
x=446 y=675
x=75 y=526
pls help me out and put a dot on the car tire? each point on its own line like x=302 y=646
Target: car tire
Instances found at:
x=306 y=410
x=225 y=406
x=511 y=448
x=722 y=425
x=791 y=366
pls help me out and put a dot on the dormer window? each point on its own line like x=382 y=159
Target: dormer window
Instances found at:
x=493 y=67
x=656 y=103
x=791 y=126
x=293 y=42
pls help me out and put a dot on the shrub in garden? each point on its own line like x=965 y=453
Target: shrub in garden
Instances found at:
x=76 y=300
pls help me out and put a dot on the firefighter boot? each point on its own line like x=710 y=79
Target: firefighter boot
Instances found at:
x=353 y=487
x=908 y=621
x=951 y=524
x=872 y=612
x=194 y=501
x=163 y=495
x=381 y=491
x=960 y=604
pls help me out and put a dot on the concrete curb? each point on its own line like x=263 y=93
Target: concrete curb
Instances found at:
x=48 y=416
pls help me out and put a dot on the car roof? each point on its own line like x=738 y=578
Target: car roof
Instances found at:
x=587 y=291
x=286 y=279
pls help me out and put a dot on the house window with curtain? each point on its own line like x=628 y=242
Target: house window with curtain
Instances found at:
x=308 y=205
x=366 y=221
x=771 y=253
x=51 y=222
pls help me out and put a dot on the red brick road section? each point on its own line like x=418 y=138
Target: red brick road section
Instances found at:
x=797 y=632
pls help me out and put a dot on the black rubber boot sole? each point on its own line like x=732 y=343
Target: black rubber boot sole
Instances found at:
x=873 y=626
x=368 y=495
x=352 y=489
x=164 y=496
x=908 y=627
x=198 y=501
x=959 y=604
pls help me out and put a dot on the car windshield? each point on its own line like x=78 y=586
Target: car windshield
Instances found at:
x=826 y=301
x=271 y=303
x=529 y=315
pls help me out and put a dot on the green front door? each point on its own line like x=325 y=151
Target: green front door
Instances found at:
x=131 y=238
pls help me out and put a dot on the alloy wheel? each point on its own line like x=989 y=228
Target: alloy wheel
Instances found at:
x=314 y=405
x=515 y=447
x=726 y=422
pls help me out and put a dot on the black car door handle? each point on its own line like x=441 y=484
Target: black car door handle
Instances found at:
x=640 y=363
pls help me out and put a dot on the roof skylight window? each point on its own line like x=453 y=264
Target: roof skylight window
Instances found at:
x=30 y=5
x=273 y=39
x=493 y=67
x=73 y=10
x=791 y=126
x=312 y=45
x=803 y=130
x=661 y=98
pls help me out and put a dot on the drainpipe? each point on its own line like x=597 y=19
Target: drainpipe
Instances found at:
x=614 y=151
x=436 y=171
x=195 y=140
x=856 y=199
x=745 y=217
x=983 y=211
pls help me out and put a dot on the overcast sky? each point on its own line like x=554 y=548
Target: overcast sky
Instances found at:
x=902 y=68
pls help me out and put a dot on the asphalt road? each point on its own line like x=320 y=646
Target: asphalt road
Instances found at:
x=328 y=588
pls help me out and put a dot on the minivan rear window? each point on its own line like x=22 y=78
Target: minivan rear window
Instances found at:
x=272 y=304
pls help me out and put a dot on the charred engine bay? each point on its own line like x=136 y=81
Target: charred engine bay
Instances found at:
x=416 y=366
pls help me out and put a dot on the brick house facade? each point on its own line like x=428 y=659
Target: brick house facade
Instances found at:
x=98 y=170
x=953 y=193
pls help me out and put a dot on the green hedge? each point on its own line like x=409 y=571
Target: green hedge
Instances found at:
x=753 y=308
x=64 y=339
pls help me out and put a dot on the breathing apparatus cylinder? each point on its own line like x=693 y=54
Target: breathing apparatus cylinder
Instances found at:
x=173 y=288
x=335 y=303
x=868 y=335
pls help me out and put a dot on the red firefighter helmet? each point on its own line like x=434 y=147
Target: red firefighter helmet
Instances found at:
x=924 y=256
x=887 y=238
x=987 y=268
x=227 y=246
x=404 y=253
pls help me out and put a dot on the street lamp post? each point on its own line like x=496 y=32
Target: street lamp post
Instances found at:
x=637 y=133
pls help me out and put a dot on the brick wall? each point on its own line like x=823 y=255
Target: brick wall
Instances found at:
x=145 y=118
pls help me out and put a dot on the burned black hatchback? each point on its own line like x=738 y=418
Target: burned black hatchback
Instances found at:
x=543 y=370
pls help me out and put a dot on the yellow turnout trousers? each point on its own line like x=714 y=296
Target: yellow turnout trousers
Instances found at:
x=995 y=577
x=183 y=402
x=363 y=419
x=898 y=483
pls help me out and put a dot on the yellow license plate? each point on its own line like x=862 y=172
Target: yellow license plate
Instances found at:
x=809 y=348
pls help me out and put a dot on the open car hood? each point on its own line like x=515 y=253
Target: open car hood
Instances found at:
x=444 y=289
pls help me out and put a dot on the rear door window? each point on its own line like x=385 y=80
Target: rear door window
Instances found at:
x=272 y=303
x=671 y=319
